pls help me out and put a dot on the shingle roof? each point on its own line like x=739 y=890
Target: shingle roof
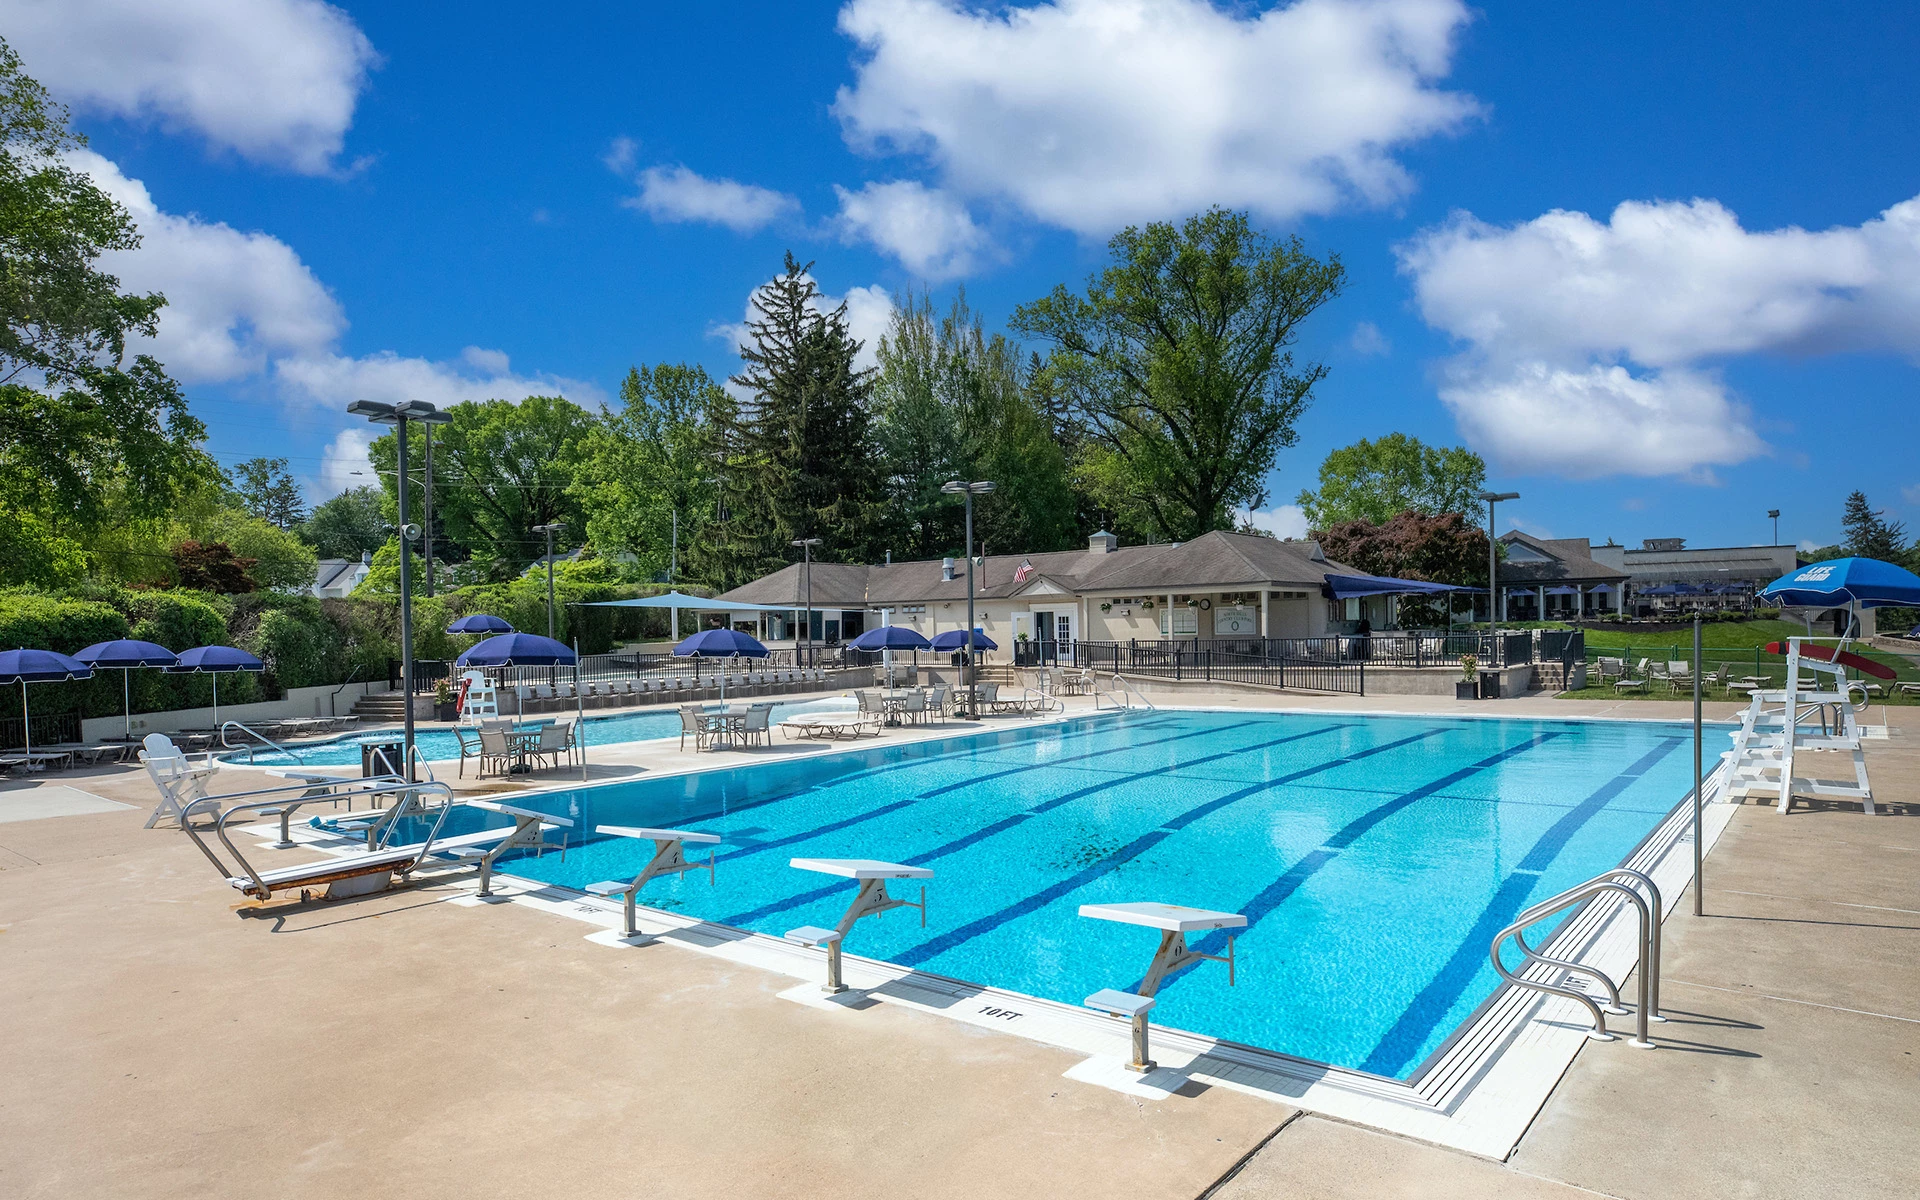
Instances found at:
x=1572 y=562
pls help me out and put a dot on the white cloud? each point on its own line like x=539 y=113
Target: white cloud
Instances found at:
x=344 y=463
x=1911 y=494
x=621 y=154
x=869 y=312
x=334 y=380
x=275 y=80
x=1284 y=521
x=1090 y=114
x=677 y=194
x=1368 y=340
x=483 y=359
x=927 y=229
x=1591 y=344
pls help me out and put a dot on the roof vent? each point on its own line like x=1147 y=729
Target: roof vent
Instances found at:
x=1102 y=543
x=1663 y=544
x=1316 y=553
x=946 y=570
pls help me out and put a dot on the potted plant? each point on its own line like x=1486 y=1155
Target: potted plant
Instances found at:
x=1468 y=688
x=1146 y=604
x=1106 y=606
x=444 y=709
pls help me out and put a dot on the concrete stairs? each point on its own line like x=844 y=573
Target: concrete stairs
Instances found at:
x=381 y=706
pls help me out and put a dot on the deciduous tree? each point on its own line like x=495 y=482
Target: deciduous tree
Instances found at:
x=1377 y=481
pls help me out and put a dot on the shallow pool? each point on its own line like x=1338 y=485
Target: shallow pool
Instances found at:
x=1374 y=857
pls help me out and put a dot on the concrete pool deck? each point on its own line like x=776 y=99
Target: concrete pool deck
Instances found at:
x=158 y=1046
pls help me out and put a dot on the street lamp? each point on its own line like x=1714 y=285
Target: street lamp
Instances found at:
x=549 y=529
x=969 y=490
x=806 y=574
x=1775 y=514
x=400 y=416
x=1493 y=586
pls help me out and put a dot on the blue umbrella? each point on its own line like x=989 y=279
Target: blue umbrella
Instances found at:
x=1839 y=582
x=479 y=623
x=518 y=650
x=215 y=661
x=955 y=639
x=38 y=666
x=891 y=637
x=126 y=654
x=720 y=643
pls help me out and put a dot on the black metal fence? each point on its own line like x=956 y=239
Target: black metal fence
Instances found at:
x=1036 y=653
x=1304 y=664
x=47 y=730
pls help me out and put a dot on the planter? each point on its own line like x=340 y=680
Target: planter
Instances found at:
x=1466 y=689
x=1490 y=686
x=450 y=711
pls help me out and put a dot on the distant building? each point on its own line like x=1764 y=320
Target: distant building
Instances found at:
x=335 y=578
x=1556 y=579
x=1666 y=576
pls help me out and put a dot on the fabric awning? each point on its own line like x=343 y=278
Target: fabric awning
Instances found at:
x=1348 y=587
x=706 y=603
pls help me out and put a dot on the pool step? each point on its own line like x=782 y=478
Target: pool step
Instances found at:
x=383 y=706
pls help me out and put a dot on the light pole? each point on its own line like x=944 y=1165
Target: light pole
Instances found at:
x=1775 y=514
x=969 y=490
x=1493 y=568
x=399 y=416
x=426 y=513
x=549 y=529
x=806 y=574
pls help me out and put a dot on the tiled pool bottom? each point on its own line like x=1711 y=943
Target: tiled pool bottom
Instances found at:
x=1374 y=857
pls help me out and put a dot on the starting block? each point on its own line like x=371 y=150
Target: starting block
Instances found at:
x=529 y=830
x=871 y=900
x=669 y=858
x=1174 y=922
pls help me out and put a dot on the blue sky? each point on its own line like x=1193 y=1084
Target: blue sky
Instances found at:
x=378 y=200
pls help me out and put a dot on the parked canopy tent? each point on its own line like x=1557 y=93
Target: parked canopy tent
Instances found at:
x=38 y=666
x=215 y=661
x=679 y=600
x=127 y=654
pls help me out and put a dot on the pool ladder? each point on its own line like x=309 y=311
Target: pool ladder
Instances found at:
x=1619 y=881
x=259 y=738
x=1121 y=687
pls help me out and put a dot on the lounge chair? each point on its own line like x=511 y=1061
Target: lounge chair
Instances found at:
x=1637 y=683
x=1680 y=674
x=181 y=780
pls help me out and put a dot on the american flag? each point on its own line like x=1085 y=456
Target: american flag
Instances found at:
x=1025 y=571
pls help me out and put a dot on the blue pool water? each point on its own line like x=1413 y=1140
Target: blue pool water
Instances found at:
x=1374 y=857
x=440 y=744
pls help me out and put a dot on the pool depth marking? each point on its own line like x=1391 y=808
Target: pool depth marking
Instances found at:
x=1400 y=1043
x=916 y=955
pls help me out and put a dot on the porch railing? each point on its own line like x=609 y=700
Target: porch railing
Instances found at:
x=1305 y=664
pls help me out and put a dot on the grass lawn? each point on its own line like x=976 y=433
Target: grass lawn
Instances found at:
x=1740 y=645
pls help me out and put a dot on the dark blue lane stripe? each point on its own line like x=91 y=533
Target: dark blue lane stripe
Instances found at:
x=979 y=779
x=1399 y=1044
x=816 y=831
x=1137 y=776
x=1004 y=824
x=1276 y=893
x=972 y=929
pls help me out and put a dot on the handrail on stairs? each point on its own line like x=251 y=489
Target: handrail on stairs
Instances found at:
x=1649 y=910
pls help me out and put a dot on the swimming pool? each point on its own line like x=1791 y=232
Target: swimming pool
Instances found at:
x=441 y=744
x=1374 y=857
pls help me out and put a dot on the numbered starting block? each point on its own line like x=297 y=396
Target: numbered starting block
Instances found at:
x=669 y=858
x=871 y=900
x=1174 y=922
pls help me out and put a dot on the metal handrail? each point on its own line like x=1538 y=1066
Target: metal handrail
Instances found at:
x=261 y=737
x=1648 y=959
x=309 y=789
x=1124 y=686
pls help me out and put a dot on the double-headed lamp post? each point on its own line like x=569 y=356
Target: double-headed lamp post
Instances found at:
x=806 y=546
x=549 y=529
x=969 y=490
x=1774 y=515
x=400 y=416
x=1493 y=568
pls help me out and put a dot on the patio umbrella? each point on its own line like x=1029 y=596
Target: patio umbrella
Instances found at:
x=479 y=623
x=38 y=666
x=955 y=639
x=888 y=638
x=215 y=661
x=532 y=650
x=126 y=654
x=721 y=643
x=1840 y=582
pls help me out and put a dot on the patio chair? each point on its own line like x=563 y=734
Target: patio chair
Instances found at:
x=1680 y=674
x=555 y=740
x=469 y=740
x=496 y=747
x=758 y=724
x=182 y=782
x=1609 y=668
x=914 y=707
x=693 y=721
x=937 y=703
x=1636 y=683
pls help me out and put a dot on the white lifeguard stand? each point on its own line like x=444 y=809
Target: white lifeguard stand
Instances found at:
x=482 y=701
x=1174 y=921
x=669 y=858
x=871 y=900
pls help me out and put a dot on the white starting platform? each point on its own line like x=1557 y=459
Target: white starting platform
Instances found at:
x=1174 y=921
x=528 y=833
x=871 y=900
x=669 y=858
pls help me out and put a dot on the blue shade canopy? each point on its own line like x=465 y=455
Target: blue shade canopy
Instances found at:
x=517 y=650
x=215 y=659
x=720 y=643
x=1347 y=587
x=126 y=653
x=479 y=623
x=891 y=637
x=40 y=666
x=1838 y=582
x=682 y=600
x=955 y=639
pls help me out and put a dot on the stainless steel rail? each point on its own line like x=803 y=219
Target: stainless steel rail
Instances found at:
x=1619 y=881
x=277 y=796
x=1122 y=686
x=258 y=736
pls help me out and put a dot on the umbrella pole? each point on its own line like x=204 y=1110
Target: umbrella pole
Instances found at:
x=216 y=701
x=26 y=723
x=126 y=695
x=579 y=710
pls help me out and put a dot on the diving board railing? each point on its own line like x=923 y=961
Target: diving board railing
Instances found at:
x=669 y=858
x=259 y=739
x=1174 y=921
x=1619 y=881
x=870 y=901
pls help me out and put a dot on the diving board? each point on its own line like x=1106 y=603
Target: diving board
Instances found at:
x=669 y=858
x=871 y=900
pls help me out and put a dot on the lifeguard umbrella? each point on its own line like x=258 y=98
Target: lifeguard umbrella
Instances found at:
x=888 y=638
x=721 y=643
x=1841 y=582
x=215 y=661
x=479 y=623
x=38 y=666
x=126 y=654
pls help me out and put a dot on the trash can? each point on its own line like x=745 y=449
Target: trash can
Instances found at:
x=382 y=758
x=1489 y=685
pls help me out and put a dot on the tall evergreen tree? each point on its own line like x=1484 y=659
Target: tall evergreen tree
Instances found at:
x=1871 y=535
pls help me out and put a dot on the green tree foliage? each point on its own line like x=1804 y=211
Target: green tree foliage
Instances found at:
x=653 y=458
x=798 y=461
x=212 y=567
x=1176 y=358
x=347 y=526
x=1870 y=534
x=32 y=552
x=1441 y=548
x=1377 y=481
x=281 y=561
x=499 y=469
x=265 y=488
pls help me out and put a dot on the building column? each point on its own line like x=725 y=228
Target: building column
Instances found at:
x=1266 y=630
x=1540 y=600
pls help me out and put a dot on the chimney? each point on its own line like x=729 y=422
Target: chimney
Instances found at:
x=946 y=569
x=1102 y=543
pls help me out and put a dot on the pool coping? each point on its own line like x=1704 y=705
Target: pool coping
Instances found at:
x=1477 y=1092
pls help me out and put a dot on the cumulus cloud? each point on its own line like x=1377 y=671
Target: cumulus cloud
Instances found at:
x=1090 y=114
x=275 y=80
x=1592 y=345
x=1284 y=521
x=678 y=195
x=336 y=379
x=344 y=463
x=927 y=229
x=1368 y=340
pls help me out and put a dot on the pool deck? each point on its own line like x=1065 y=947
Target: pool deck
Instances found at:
x=417 y=1043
